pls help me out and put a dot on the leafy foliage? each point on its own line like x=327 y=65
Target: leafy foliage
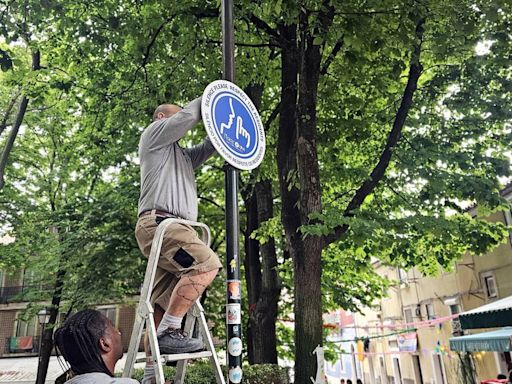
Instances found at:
x=72 y=180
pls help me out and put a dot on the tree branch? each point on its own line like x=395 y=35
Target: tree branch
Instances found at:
x=255 y=45
x=203 y=13
x=272 y=116
x=370 y=13
x=10 y=107
x=36 y=65
x=211 y=202
x=147 y=51
x=6 y=9
x=379 y=170
x=260 y=24
x=337 y=47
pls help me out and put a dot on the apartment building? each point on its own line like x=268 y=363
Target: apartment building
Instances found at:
x=430 y=305
x=21 y=337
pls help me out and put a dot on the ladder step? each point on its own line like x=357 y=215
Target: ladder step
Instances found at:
x=179 y=356
x=186 y=356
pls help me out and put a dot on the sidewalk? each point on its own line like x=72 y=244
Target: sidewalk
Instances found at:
x=23 y=370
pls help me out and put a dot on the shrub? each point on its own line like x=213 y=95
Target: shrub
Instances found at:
x=265 y=374
x=202 y=373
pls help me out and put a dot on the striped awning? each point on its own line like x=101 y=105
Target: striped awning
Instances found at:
x=497 y=341
x=492 y=315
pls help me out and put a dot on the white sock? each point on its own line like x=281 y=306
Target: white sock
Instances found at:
x=169 y=321
x=149 y=374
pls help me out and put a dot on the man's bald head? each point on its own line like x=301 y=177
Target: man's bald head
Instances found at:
x=165 y=110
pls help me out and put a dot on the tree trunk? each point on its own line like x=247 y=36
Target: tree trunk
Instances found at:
x=263 y=315
x=306 y=335
x=308 y=263
x=252 y=265
x=261 y=273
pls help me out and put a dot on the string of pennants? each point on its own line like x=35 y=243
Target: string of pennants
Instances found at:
x=414 y=324
x=407 y=332
x=440 y=349
x=362 y=338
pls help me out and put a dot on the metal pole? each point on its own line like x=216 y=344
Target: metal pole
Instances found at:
x=233 y=291
x=228 y=41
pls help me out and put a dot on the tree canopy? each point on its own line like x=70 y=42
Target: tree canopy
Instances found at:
x=385 y=120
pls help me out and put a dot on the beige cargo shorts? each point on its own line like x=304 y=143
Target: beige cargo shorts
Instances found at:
x=182 y=253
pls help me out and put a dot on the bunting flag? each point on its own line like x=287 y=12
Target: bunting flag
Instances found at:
x=360 y=350
x=407 y=342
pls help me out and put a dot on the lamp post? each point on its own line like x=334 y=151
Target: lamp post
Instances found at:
x=43 y=316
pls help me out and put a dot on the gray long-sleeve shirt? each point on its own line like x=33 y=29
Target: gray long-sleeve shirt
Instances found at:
x=167 y=170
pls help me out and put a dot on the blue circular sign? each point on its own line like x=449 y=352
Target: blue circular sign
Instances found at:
x=233 y=124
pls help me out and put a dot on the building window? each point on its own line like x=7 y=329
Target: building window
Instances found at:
x=402 y=276
x=429 y=309
x=27 y=328
x=31 y=279
x=508 y=221
x=454 y=309
x=109 y=313
x=489 y=285
x=408 y=315
x=393 y=345
x=28 y=278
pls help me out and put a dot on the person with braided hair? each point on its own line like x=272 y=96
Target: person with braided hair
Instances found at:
x=92 y=346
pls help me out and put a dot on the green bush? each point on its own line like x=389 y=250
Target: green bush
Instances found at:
x=265 y=374
x=202 y=373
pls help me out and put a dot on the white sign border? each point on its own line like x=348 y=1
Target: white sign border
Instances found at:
x=209 y=94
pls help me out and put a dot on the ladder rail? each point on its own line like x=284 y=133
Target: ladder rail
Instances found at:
x=144 y=313
x=214 y=359
x=144 y=309
x=181 y=367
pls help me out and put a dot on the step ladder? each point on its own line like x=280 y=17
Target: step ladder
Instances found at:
x=144 y=315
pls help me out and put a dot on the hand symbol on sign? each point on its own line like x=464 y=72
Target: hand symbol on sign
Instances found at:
x=241 y=131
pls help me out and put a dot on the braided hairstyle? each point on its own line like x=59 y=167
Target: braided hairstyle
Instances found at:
x=78 y=341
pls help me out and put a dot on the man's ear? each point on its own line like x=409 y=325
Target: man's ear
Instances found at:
x=160 y=115
x=105 y=344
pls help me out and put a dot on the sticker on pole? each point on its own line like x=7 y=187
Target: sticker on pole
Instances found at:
x=235 y=346
x=233 y=124
x=235 y=375
x=233 y=314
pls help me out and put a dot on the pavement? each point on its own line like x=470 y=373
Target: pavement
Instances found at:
x=23 y=370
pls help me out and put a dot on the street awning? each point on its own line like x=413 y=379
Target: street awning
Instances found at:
x=498 y=341
x=492 y=315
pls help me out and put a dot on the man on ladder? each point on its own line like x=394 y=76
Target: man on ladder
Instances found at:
x=168 y=190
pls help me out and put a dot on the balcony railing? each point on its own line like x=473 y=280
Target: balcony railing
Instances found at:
x=22 y=344
x=17 y=293
x=457 y=328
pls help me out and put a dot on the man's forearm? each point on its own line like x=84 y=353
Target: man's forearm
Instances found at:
x=201 y=152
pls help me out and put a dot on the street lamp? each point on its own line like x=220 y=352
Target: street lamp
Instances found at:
x=43 y=316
